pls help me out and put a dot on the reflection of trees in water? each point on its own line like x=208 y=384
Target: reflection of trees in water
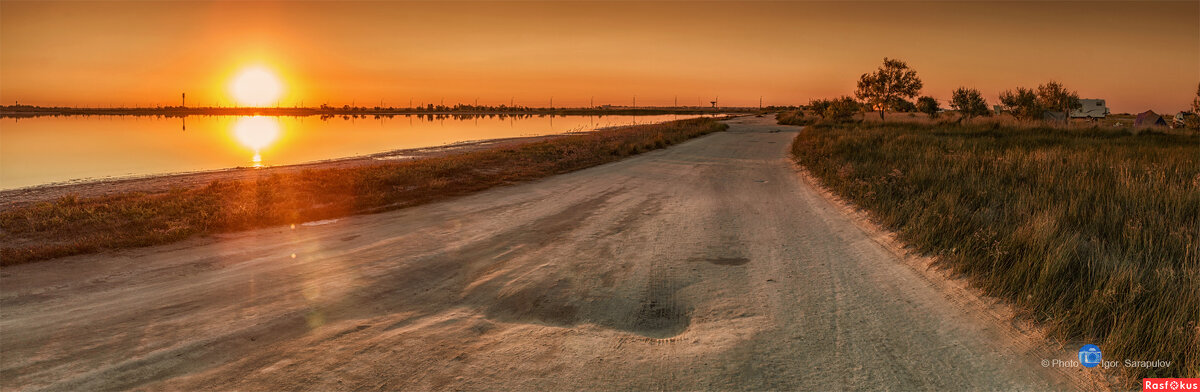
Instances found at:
x=348 y=112
x=443 y=116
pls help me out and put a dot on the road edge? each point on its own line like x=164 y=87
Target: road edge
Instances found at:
x=1025 y=335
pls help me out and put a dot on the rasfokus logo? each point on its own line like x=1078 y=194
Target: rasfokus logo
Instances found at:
x=1089 y=355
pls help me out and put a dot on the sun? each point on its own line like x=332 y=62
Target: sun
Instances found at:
x=256 y=86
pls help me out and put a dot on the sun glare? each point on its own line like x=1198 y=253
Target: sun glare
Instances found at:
x=256 y=132
x=256 y=86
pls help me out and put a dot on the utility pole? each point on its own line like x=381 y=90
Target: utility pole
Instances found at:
x=676 y=101
x=592 y=101
x=552 y=102
x=183 y=100
x=759 y=102
x=635 y=101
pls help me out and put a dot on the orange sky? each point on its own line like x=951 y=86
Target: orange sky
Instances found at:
x=1136 y=55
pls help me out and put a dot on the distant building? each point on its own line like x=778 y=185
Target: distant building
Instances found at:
x=1149 y=119
x=1091 y=108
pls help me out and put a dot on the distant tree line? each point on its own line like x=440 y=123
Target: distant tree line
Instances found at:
x=894 y=86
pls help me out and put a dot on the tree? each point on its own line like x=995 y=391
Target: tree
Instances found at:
x=1193 y=121
x=968 y=103
x=902 y=105
x=1196 y=100
x=1053 y=95
x=1022 y=103
x=839 y=109
x=928 y=105
x=891 y=82
x=818 y=106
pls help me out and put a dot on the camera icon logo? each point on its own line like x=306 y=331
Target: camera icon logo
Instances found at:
x=1089 y=355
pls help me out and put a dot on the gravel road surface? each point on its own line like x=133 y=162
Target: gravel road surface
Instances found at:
x=708 y=265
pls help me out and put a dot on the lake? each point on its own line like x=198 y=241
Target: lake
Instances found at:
x=44 y=150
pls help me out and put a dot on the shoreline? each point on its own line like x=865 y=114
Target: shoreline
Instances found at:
x=101 y=216
x=23 y=111
x=163 y=182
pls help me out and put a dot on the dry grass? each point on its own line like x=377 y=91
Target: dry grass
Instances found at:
x=73 y=225
x=1093 y=232
x=795 y=117
x=1123 y=122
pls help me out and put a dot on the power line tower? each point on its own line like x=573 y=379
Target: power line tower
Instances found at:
x=183 y=100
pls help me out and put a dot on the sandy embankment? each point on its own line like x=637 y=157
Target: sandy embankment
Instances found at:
x=164 y=182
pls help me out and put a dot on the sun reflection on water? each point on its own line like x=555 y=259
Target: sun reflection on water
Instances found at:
x=256 y=132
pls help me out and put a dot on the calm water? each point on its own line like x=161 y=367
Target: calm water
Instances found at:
x=44 y=150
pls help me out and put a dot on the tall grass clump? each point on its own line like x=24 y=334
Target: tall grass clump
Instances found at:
x=792 y=117
x=72 y=225
x=1095 y=233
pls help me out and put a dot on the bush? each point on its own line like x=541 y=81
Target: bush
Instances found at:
x=928 y=105
x=791 y=117
x=841 y=109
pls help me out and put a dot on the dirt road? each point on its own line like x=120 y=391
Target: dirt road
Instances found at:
x=709 y=265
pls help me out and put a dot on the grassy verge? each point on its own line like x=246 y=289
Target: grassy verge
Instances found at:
x=792 y=117
x=1095 y=233
x=73 y=225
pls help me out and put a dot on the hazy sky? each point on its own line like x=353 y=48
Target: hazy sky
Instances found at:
x=1138 y=56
